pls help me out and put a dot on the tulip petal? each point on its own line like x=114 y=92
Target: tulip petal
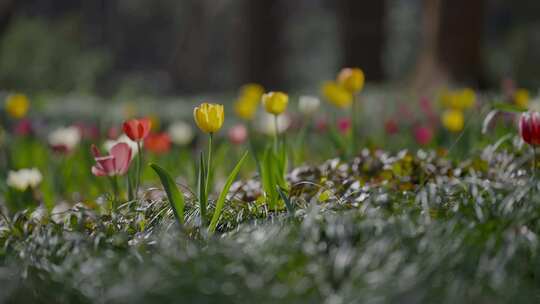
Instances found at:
x=121 y=154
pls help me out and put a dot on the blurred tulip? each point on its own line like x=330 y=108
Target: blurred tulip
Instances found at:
x=88 y=131
x=458 y=99
x=24 y=179
x=308 y=105
x=453 y=120
x=108 y=144
x=423 y=135
x=64 y=140
x=209 y=117
x=238 y=134
x=275 y=102
x=158 y=143
x=113 y=132
x=391 y=127
x=155 y=123
x=529 y=128
x=23 y=127
x=137 y=129
x=17 y=105
x=337 y=95
x=266 y=124
x=245 y=108
x=344 y=125
x=321 y=125
x=181 y=133
x=252 y=92
x=116 y=163
x=352 y=79
x=521 y=98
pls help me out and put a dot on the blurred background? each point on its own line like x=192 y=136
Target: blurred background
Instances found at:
x=186 y=47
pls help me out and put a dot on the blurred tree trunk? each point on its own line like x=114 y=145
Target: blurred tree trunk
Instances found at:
x=361 y=26
x=7 y=10
x=451 y=44
x=264 y=43
x=459 y=42
x=190 y=68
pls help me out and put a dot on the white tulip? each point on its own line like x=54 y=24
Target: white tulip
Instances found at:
x=67 y=138
x=308 y=105
x=24 y=178
x=266 y=123
x=181 y=133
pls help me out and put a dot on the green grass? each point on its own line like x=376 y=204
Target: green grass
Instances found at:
x=402 y=228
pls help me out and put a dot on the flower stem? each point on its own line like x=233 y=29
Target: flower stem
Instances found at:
x=208 y=166
x=533 y=168
x=139 y=166
x=276 y=134
x=114 y=184
x=354 y=111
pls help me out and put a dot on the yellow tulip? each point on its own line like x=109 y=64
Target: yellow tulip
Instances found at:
x=458 y=99
x=453 y=120
x=352 y=79
x=467 y=98
x=521 y=98
x=251 y=92
x=155 y=123
x=275 y=102
x=337 y=95
x=17 y=105
x=209 y=117
x=245 y=108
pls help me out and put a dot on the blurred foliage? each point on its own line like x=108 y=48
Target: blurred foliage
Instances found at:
x=36 y=55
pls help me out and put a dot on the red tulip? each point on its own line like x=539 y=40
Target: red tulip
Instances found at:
x=137 y=129
x=238 y=134
x=423 y=135
x=116 y=163
x=158 y=143
x=529 y=128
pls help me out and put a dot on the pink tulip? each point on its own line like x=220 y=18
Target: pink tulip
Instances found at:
x=23 y=127
x=238 y=134
x=423 y=135
x=344 y=124
x=116 y=163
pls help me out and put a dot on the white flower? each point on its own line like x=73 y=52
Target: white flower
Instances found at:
x=266 y=123
x=108 y=144
x=308 y=105
x=24 y=178
x=66 y=138
x=181 y=133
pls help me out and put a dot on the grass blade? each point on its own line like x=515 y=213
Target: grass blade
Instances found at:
x=176 y=198
x=221 y=200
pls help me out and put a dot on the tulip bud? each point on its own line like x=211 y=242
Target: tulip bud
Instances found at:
x=352 y=79
x=308 y=105
x=337 y=95
x=275 y=102
x=453 y=120
x=137 y=129
x=17 y=105
x=209 y=117
x=529 y=128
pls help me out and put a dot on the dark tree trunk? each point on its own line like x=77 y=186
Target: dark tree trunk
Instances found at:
x=361 y=26
x=7 y=10
x=264 y=43
x=459 y=40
